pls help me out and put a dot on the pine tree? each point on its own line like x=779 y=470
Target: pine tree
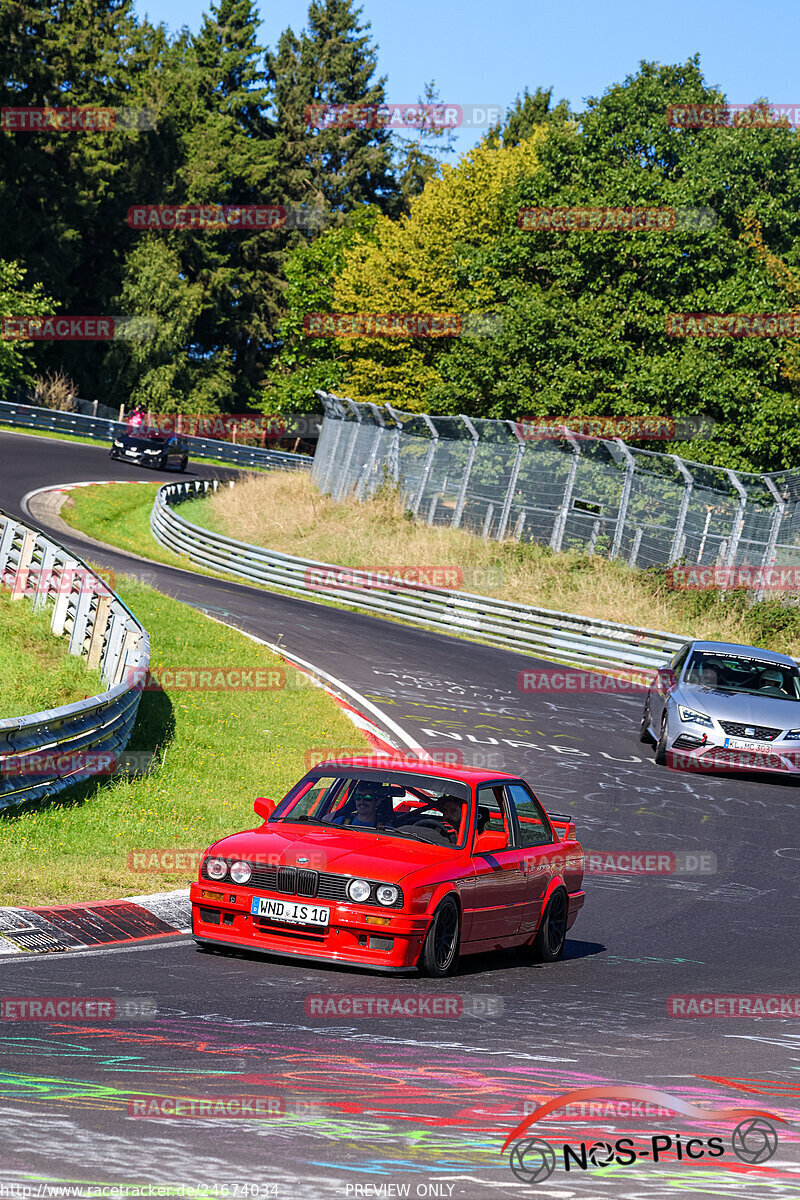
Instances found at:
x=332 y=64
x=230 y=158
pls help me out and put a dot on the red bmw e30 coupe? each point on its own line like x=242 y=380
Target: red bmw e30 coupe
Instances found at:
x=394 y=865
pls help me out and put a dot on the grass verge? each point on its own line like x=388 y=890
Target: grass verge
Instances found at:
x=220 y=750
x=36 y=669
x=284 y=512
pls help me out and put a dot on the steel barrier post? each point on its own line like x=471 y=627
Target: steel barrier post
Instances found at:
x=738 y=520
x=512 y=482
x=462 y=491
x=393 y=457
x=562 y=514
x=678 y=541
x=630 y=467
x=426 y=470
x=772 y=541
x=369 y=465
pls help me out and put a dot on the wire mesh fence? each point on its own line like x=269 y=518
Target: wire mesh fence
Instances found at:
x=589 y=494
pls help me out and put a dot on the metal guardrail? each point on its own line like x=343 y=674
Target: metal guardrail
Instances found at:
x=565 y=637
x=44 y=753
x=28 y=416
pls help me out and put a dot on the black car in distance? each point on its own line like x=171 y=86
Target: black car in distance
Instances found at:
x=149 y=448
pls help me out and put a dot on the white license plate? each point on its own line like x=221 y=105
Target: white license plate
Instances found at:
x=292 y=914
x=754 y=747
x=132 y=453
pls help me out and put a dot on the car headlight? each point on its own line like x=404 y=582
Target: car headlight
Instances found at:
x=148 y=450
x=697 y=718
x=358 y=890
x=387 y=894
x=241 y=872
x=792 y=735
x=216 y=868
x=118 y=444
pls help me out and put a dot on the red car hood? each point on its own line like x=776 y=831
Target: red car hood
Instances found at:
x=341 y=851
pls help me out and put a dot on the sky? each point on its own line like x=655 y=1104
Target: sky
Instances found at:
x=489 y=53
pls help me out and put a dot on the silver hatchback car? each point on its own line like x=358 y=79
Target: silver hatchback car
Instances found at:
x=718 y=706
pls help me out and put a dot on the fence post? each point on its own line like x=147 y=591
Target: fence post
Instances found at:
x=426 y=470
x=462 y=491
x=393 y=456
x=512 y=483
x=562 y=514
x=334 y=412
x=345 y=471
x=678 y=541
x=772 y=540
x=637 y=541
x=630 y=467
x=738 y=520
x=369 y=465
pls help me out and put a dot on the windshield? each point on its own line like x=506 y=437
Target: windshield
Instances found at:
x=743 y=673
x=417 y=807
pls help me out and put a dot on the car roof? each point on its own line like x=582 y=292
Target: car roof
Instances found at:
x=417 y=766
x=752 y=651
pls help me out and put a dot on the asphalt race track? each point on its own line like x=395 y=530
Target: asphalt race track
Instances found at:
x=371 y=1106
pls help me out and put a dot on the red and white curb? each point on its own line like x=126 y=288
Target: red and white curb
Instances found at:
x=46 y=930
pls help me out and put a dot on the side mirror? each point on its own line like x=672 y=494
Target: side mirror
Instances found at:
x=264 y=807
x=666 y=679
x=485 y=843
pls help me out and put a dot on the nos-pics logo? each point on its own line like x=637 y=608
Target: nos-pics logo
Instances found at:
x=532 y=1159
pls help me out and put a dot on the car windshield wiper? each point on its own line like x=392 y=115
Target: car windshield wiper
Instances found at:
x=304 y=819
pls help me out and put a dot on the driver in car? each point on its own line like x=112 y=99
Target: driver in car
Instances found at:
x=364 y=809
x=451 y=808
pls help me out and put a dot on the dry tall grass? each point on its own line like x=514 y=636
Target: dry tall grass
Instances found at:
x=281 y=510
x=55 y=390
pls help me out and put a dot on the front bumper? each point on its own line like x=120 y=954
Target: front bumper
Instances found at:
x=222 y=915
x=714 y=756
